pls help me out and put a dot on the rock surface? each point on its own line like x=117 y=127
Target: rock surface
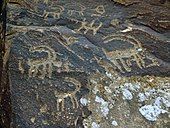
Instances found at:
x=91 y=64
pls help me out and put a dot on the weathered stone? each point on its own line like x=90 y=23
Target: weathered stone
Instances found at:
x=100 y=52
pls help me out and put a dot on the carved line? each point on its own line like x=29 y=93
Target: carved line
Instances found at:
x=99 y=10
x=43 y=66
x=70 y=39
x=45 y=1
x=131 y=54
x=65 y=46
x=20 y=66
x=72 y=95
x=54 y=14
x=80 y=12
x=89 y=27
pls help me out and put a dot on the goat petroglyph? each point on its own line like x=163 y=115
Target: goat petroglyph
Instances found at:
x=89 y=27
x=61 y=96
x=74 y=9
x=45 y=1
x=43 y=66
x=126 y=56
x=55 y=12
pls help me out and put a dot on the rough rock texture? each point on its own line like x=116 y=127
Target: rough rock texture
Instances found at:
x=5 y=106
x=91 y=64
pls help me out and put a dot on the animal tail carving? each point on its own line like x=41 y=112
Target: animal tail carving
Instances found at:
x=122 y=37
x=51 y=53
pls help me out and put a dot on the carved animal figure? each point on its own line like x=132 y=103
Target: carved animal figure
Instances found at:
x=89 y=27
x=43 y=66
x=71 y=94
x=125 y=57
x=45 y=1
x=55 y=12
x=75 y=9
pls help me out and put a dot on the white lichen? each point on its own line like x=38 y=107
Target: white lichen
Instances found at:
x=84 y=101
x=108 y=90
x=149 y=92
x=166 y=102
x=95 y=90
x=151 y=112
x=132 y=87
x=95 y=125
x=141 y=97
x=127 y=94
x=104 y=106
x=114 y=123
x=109 y=75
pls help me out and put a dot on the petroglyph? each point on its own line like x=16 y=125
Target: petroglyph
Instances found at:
x=74 y=9
x=89 y=27
x=45 y=1
x=148 y=31
x=55 y=12
x=70 y=39
x=20 y=66
x=43 y=66
x=115 y=22
x=154 y=61
x=64 y=44
x=125 y=57
x=61 y=96
x=99 y=10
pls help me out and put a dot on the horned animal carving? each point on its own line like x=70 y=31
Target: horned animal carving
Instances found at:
x=125 y=57
x=75 y=9
x=55 y=13
x=89 y=27
x=71 y=94
x=43 y=67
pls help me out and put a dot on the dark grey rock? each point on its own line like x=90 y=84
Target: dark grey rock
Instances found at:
x=58 y=45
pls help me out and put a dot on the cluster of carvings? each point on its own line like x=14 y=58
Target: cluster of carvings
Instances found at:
x=72 y=95
x=121 y=59
x=72 y=9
